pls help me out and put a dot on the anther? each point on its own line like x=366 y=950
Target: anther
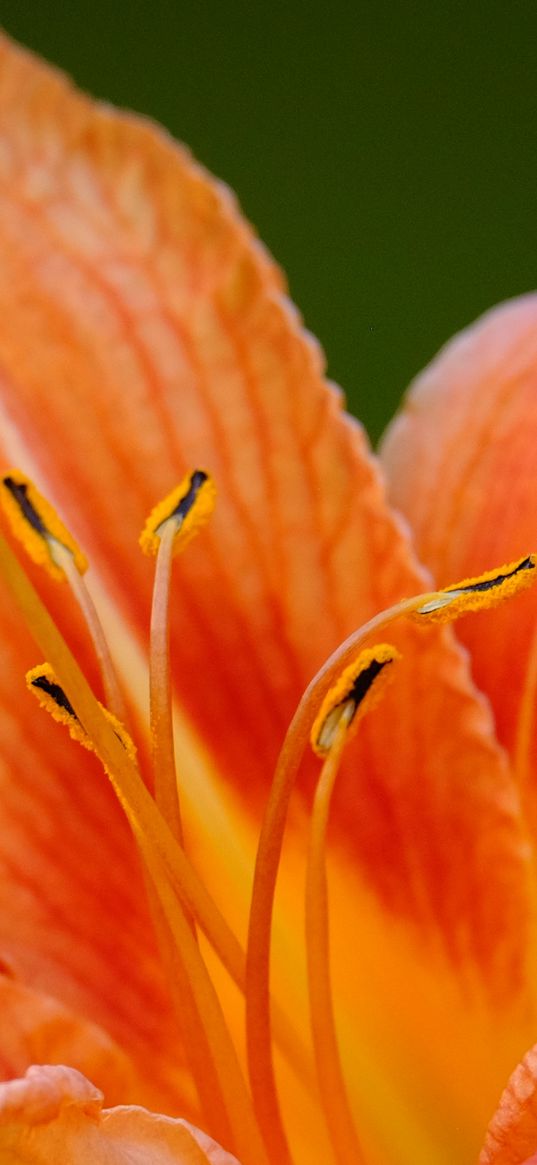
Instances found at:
x=477 y=594
x=359 y=687
x=189 y=507
x=36 y=524
x=42 y=681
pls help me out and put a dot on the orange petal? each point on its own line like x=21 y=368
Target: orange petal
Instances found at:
x=461 y=466
x=512 y=1134
x=160 y=341
x=55 y=1114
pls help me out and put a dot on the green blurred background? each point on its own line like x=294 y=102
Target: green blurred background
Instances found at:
x=384 y=151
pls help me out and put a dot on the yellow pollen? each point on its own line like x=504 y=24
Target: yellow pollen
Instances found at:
x=189 y=506
x=36 y=524
x=358 y=689
x=42 y=681
x=477 y=594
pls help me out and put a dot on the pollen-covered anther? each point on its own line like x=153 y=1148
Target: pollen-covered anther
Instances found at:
x=477 y=594
x=189 y=507
x=358 y=689
x=42 y=682
x=36 y=524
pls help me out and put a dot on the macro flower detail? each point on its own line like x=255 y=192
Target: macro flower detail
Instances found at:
x=310 y=958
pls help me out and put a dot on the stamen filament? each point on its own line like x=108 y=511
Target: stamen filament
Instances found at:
x=171 y=525
x=246 y=1138
x=191 y=1029
x=161 y=718
x=332 y=1089
x=113 y=694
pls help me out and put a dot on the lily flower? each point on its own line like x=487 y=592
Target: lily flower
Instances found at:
x=275 y=899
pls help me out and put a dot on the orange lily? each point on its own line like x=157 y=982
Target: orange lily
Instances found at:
x=144 y=332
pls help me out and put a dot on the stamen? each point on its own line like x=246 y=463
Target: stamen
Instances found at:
x=362 y=686
x=224 y=1064
x=49 y=544
x=258 y=1010
x=478 y=594
x=42 y=682
x=170 y=527
x=258 y=1017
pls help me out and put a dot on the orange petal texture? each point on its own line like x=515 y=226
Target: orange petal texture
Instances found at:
x=461 y=465
x=55 y=1114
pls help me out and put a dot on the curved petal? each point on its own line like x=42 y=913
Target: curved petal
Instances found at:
x=160 y=340
x=461 y=465
x=512 y=1134
x=55 y=1114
